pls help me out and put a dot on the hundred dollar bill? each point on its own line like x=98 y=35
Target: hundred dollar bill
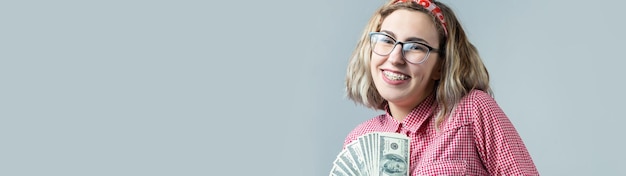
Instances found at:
x=354 y=149
x=335 y=171
x=394 y=154
x=374 y=154
x=346 y=159
x=363 y=141
x=370 y=153
x=341 y=165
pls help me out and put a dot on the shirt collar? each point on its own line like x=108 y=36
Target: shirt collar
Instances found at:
x=416 y=118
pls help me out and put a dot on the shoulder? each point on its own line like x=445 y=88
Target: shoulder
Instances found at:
x=481 y=109
x=368 y=126
x=477 y=96
x=477 y=100
x=477 y=105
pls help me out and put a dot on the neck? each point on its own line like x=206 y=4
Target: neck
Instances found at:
x=399 y=113
x=400 y=110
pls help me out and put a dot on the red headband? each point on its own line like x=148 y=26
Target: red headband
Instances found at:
x=430 y=6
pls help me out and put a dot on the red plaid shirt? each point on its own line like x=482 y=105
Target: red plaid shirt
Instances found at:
x=477 y=140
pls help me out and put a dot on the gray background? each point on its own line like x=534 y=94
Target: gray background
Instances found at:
x=256 y=87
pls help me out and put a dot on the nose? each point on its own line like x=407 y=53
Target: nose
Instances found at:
x=396 y=57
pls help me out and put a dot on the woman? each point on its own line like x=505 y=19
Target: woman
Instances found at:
x=415 y=62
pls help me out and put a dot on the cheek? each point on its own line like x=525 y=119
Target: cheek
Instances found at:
x=435 y=70
x=373 y=70
x=426 y=70
x=374 y=62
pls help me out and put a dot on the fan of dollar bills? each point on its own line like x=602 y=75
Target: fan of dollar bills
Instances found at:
x=374 y=154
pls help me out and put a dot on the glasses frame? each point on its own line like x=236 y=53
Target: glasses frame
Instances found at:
x=430 y=48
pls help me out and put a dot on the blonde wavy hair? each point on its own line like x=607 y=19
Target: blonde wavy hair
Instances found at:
x=461 y=66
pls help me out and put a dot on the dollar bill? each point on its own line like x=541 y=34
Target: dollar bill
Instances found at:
x=363 y=141
x=374 y=154
x=393 y=155
x=341 y=165
x=354 y=149
x=336 y=171
x=374 y=151
x=346 y=159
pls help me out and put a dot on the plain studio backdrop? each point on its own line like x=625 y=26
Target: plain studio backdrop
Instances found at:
x=257 y=87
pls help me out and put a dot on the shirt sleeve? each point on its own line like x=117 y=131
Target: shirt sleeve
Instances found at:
x=499 y=145
x=353 y=135
x=358 y=131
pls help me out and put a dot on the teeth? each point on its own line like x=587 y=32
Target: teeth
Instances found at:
x=395 y=76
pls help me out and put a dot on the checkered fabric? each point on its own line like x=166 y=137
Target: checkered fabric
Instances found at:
x=478 y=139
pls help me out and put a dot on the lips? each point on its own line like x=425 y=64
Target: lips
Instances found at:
x=395 y=76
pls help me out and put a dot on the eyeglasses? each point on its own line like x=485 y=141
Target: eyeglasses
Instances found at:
x=412 y=52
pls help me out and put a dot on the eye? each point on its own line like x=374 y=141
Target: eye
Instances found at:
x=416 y=47
x=383 y=39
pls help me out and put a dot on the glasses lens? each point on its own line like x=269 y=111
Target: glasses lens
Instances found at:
x=382 y=44
x=412 y=52
x=415 y=52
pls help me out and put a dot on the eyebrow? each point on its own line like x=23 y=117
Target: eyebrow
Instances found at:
x=410 y=39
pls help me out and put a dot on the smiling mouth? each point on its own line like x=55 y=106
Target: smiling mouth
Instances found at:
x=395 y=76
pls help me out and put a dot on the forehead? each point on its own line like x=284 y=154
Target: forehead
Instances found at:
x=405 y=24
